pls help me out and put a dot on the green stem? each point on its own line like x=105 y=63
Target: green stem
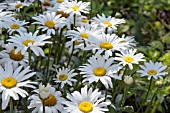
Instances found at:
x=43 y=106
x=138 y=111
x=25 y=105
x=124 y=96
x=148 y=89
x=29 y=52
x=74 y=21
x=71 y=54
x=11 y=106
x=73 y=42
x=91 y=9
x=48 y=62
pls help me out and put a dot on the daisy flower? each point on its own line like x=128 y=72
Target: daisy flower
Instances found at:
x=130 y=40
x=86 y=101
x=74 y=7
x=50 y=22
x=57 y=2
x=53 y=103
x=17 y=25
x=29 y=40
x=99 y=68
x=110 y=23
x=83 y=32
x=5 y=18
x=12 y=80
x=151 y=69
x=18 y=5
x=65 y=76
x=55 y=9
x=129 y=58
x=106 y=43
x=8 y=55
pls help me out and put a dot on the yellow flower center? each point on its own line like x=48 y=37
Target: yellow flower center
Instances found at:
x=9 y=82
x=60 y=1
x=122 y=41
x=85 y=107
x=63 y=77
x=85 y=20
x=62 y=14
x=46 y=3
x=75 y=8
x=152 y=72
x=77 y=42
x=128 y=59
x=18 y=6
x=49 y=24
x=99 y=71
x=108 y=24
x=121 y=72
x=106 y=45
x=16 y=57
x=26 y=42
x=50 y=101
x=84 y=35
x=14 y=26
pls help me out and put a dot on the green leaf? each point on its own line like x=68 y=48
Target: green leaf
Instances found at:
x=157 y=45
x=119 y=99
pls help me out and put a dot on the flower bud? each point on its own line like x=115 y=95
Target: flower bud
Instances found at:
x=44 y=92
x=159 y=83
x=128 y=80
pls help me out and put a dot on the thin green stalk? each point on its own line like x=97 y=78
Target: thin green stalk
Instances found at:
x=71 y=54
x=106 y=94
x=48 y=62
x=91 y=8
x=74 y=21
x=29 y=52
x=148 y=89
x=73 y=42
x=62 y=48
x=11 y=106
x=124 y=95
x=43 y=106
x=25 y=105
x=138 y=111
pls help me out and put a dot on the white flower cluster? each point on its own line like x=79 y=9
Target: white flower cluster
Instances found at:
x=111 y=55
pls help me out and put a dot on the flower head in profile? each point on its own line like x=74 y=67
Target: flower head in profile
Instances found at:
x=130 y=40
x=83 y=32
x=151 y=69
x=17 y=25
x=16 y=59
x=100 y=69
x=53 y=102
x=86 y=101
x=17 y=5
x=104 y=22
x=24 y=41
x=129 y=57
x=12 y=81
x=65 y=76
x=49 y=22
x=74 y=7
